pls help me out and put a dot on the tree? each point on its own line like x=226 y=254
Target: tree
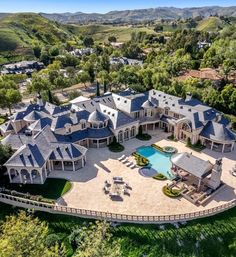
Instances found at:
x=98 y=89
x=88 y=42
x=8 y=97
x=5 y=153
x=96 y=241
x=83 y=77
x=158 y=28
x=104 y=78
x=112 y=39
x=23 y=235
x=39 y=83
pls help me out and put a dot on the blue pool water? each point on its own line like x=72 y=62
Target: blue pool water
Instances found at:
x=158 y=161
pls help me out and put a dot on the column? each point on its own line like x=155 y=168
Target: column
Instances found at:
x=232 y=147
x=97 y=143
x=73 y=163
x=9 y=174
x=223 y=148
x=199 y=184
x=108 y=141
x=31 y=179
x=83 y=162
x=212 y=145
x=153 y=126
x=41 y=177
x=62 y=165
x=21 y=180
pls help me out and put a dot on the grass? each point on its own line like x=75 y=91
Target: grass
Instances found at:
x=52 y=188
x=2 y=120
x=211 y=24
x=101 y=32
x=136 y=239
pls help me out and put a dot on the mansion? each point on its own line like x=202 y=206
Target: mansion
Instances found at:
x=47 y=137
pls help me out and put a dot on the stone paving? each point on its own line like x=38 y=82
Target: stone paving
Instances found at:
x=146 y=197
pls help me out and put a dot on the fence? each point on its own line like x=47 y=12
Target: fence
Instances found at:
x=29 y=204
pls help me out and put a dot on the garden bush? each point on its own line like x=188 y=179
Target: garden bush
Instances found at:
x=160 y=176
x=170 y=192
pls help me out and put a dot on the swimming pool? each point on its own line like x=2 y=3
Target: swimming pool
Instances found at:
x=158 y=161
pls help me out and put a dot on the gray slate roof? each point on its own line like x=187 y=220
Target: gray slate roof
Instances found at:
x=191 y=164
x=97 y=116
x=217 y=131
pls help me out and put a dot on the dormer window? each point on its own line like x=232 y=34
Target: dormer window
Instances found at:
x=125 y=101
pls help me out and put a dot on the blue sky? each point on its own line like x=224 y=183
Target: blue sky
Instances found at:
x=100 y=6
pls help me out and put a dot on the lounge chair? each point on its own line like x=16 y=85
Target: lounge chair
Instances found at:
x=121 y=158
x=125 y=160
x=128 y=164
x=133 y=166
x=234 y=173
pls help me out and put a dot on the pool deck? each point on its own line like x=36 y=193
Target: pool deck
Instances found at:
x=146 y=197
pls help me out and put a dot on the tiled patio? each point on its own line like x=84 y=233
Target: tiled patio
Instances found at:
x=146 y=197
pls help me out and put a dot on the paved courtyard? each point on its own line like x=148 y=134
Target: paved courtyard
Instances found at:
x=146 y=197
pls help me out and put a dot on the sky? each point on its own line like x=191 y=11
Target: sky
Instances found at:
x=100 y=6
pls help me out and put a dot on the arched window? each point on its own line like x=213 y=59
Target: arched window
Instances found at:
x=120 y=136
x=132 y=133
x=186 y=127
x=126 y=135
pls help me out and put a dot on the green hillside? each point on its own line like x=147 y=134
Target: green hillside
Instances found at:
x=211 y=24
x=102 y=32
x=20 y=32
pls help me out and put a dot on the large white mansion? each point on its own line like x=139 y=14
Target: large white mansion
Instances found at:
x=48 y=137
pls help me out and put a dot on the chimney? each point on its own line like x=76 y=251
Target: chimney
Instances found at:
x=188 y=96
x=73 y=116
x=39 y=100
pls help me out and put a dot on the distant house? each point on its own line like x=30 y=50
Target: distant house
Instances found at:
x=82 y=51
x=24 y=67
x=125 y=61
x=203 y=44
x=117 y=45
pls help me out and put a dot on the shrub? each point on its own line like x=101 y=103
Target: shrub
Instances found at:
x=116 y=147
x=143 y=137
x=170 y=192
x=160 y=176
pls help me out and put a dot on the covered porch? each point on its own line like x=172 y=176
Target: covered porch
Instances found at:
x=223 y=147
x=27 y=175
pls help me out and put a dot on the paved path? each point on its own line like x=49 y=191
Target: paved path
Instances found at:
x=146 y=197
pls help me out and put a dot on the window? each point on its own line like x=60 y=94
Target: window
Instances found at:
x=176 y=115
x=166 y=112
x=136 y=115
x=83 y=125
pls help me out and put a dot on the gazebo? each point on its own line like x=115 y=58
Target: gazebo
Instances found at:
x=193 y=165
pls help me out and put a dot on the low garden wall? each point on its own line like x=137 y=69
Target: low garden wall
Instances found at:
x=58 y=209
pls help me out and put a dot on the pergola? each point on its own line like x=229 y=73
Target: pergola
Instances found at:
x=193 y=165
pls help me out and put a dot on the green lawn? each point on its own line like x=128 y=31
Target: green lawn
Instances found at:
x=52 y=188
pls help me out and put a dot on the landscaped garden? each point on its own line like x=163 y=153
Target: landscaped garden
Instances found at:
x=168 y=191
x=53 y=188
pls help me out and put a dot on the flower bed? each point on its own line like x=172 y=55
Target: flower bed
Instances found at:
x=159 y=176
x=140 y=160
x=170 y=192
x=159 y=148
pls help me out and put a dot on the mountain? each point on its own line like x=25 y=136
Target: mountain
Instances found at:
x=142 y=14
x=20 y=32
